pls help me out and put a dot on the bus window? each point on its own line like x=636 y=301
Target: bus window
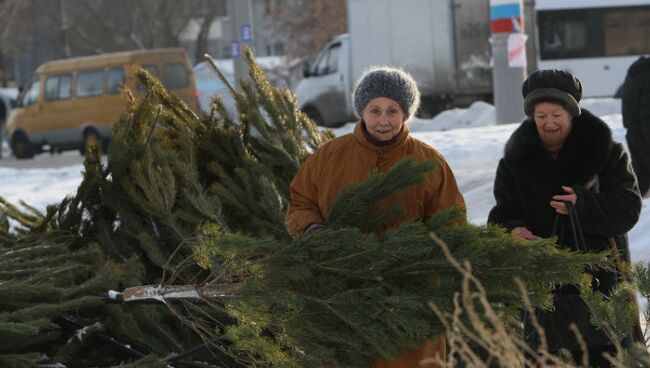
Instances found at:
x=115 y=80
x=595 y=40
x=31 y=96
x=90 y=83
x=175 y=76
x=594 y=32
x=151 y=69
x=627 y=31
x=58 y=87
x=564 y=34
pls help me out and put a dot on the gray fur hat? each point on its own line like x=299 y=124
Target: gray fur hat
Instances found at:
x=387 y=82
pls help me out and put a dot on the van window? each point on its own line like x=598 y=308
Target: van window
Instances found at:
x=151 y=69
x=31 y=96
x=115 y=80
x=175 y=76
x=329 y=61
x=90 y=83
x=58 y=87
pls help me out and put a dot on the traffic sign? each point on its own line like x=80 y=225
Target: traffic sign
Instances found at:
x=246 y=33
x=234 y=49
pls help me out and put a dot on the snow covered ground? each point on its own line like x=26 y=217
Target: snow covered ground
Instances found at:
x=472 y=145
x=468 y=138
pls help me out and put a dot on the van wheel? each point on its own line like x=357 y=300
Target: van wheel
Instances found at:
x=21 y=146
x=314 y=115
x=92 y=139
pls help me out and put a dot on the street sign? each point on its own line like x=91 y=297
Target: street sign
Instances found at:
x=246 y=33
x=234 y=49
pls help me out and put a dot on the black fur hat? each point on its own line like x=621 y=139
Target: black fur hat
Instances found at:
x=552 y=85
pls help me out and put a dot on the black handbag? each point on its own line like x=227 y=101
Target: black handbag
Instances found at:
x=569 y=308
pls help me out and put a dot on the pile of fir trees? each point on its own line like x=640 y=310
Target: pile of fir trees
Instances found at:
x=168 y=172
x=200 y=201
x=342 y=295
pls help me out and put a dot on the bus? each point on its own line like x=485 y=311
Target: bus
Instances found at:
x=595 y=40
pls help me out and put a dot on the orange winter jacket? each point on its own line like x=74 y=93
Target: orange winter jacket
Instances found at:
x=349 y=159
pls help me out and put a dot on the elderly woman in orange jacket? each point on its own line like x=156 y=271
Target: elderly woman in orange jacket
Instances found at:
x=384 y=99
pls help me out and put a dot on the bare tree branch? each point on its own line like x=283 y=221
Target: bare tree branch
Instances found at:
x=309 y=24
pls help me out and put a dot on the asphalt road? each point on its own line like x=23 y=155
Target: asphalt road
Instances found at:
x=40 y=161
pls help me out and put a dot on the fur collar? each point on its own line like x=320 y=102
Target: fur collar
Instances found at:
x=581 y=158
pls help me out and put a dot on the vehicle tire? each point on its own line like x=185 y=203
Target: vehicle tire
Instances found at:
x=314 y=115
x=432 y=106
x=619 y=92
x=21 y=146
x=92 y=139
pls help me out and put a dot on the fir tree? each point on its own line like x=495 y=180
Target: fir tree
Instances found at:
x=168 y=172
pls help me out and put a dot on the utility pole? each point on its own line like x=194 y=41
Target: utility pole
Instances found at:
x=241 y=29
x=509 y=59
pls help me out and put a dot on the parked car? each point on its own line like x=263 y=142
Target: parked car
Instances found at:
x=279 y=72
x=72 y=103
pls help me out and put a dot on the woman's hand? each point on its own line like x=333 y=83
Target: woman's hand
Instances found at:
x=557 y=202
x=523 y=234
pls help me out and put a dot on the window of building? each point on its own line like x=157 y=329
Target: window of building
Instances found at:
x=278 y=48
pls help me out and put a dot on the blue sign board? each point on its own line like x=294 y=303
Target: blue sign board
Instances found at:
x=246 y=33
x=234 y=49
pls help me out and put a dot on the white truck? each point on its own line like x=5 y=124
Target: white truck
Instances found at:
x=444 y=44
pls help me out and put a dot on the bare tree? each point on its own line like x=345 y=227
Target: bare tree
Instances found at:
x=212 y=9
x=4 y=16
x=308 y=24
x=92 y=26
x=110 y=25
x=34 y=31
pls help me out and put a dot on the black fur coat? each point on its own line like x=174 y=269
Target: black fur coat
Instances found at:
x=597 y=168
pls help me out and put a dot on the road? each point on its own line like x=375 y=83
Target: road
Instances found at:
x=41 y=161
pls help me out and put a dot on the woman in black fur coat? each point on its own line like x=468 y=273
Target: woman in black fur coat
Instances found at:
x=563 y=156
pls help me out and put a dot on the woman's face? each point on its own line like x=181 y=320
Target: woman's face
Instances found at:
x=553 y=123
x=383 y=117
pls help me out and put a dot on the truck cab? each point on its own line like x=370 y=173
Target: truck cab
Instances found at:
x=324 y=92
